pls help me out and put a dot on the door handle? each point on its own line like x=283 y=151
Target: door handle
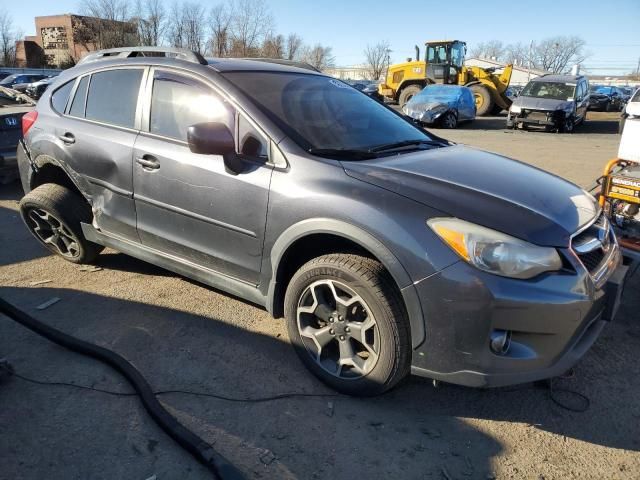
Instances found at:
x=148 y=162
x=67 y=138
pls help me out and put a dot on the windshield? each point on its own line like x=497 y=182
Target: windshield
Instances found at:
x=604 y=90
x=318 y=112
x=553 y=90
x=8 y=80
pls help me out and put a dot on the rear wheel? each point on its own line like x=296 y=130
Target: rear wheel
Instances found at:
x=53 y=214
x=347 y=324
x=407 y=94
x=449 y=120
x=482 y=97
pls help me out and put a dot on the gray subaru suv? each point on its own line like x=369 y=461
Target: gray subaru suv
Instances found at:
x=386 y=249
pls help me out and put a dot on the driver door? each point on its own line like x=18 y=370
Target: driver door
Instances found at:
x=187 y=204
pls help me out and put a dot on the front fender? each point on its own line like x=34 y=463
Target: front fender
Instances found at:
x=366 y=241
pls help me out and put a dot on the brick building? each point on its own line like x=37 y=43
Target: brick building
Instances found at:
x=63 y=39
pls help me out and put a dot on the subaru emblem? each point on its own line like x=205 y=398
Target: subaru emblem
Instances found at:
x=11 y=121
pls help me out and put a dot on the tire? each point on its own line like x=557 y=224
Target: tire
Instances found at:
x=567 y=126
x=386 y=361
x=496 y=110
x=53 y=214
x=449 y=120
x=482 y=96
x=407 y=93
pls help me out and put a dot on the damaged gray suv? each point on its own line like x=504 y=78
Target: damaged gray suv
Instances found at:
x=387 y=250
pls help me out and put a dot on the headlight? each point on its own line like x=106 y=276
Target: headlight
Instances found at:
x=515 y=109
x=495 y=252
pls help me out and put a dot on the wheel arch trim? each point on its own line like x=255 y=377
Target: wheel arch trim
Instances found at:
x=361 y=238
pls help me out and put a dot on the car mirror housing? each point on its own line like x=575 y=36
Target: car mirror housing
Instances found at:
x=210 y=138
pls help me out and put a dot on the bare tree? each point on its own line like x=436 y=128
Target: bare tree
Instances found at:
x=219 y=25
x=376 y=57
x=493 y=49
x=150 y=17
x=251 y=21
x=557 y=54
x=319 y=56
x=273 y=46
x=107 y=24
x=8 y=37
x=294 y=43
x=186 y=27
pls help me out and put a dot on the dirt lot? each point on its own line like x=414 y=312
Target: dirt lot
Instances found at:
x=182 y=335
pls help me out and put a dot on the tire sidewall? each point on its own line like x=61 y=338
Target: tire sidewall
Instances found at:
x=375 y=380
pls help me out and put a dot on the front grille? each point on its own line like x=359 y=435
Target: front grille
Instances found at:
x=592 y=260
x=593 y=245
x=537 y=116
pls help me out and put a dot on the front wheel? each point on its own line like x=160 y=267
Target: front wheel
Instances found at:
x=53 y=214
x=347 y=323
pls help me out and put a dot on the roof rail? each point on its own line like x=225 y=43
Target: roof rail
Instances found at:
x=129 y=52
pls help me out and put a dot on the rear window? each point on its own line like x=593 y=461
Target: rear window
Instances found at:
x=113 y=96
x=60 y=97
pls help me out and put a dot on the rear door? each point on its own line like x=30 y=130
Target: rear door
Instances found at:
x=187 y=204
x=96 y=137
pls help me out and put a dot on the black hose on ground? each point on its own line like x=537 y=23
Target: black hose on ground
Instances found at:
x=188 y=440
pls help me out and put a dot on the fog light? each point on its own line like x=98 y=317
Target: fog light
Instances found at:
x=500 y=341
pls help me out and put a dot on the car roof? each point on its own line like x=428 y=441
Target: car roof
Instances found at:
x=558 y=78
x=261 y=64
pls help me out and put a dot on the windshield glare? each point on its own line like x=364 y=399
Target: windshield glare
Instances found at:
x=553 y=90
x=318 y=112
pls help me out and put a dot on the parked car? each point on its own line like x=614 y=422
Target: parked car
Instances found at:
x=36 y=89
x=605 y=99
x=20 y=79
x=4 y=75
x=555 y=102
x=388 y=250
x=371 y=90
x=12 y=108
x=633 y=105
x=444 y=106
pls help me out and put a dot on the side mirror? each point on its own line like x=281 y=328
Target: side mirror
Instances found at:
x=210 y=138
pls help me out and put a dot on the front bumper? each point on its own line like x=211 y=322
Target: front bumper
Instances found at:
x=536 y=117
x=554 y=320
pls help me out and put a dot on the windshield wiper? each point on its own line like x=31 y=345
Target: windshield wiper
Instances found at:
x=344 y=153
x=406 y=143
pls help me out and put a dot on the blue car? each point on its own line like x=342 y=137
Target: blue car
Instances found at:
x=444 y=106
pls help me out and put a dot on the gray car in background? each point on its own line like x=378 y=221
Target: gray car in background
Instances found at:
x=386 y=249
x=555 y=102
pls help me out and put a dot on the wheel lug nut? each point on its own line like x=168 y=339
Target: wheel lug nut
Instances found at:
x=347 y=329
x=341 y=318
x=341 y=337
x=331 y=320
x=332 y=331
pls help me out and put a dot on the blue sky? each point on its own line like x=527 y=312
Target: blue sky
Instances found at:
x=610 y=29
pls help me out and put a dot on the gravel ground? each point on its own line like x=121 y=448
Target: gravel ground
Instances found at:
x=182 y=335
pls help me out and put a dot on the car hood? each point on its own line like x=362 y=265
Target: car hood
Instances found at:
x=550 y=104
x=487 y=189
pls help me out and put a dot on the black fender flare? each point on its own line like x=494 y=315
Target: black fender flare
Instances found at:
x=365 y=240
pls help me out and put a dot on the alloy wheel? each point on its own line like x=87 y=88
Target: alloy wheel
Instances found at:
x=338 y=329
x=52 y=232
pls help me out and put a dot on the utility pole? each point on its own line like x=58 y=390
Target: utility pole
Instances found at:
x=638 y=70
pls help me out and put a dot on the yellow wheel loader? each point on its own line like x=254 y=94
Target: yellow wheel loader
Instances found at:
x=444 y=63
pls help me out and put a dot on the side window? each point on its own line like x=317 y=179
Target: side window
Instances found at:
x=113 y=96
x=79 y=99
x=250 y=141
x=60 y=96
x=178 y=102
